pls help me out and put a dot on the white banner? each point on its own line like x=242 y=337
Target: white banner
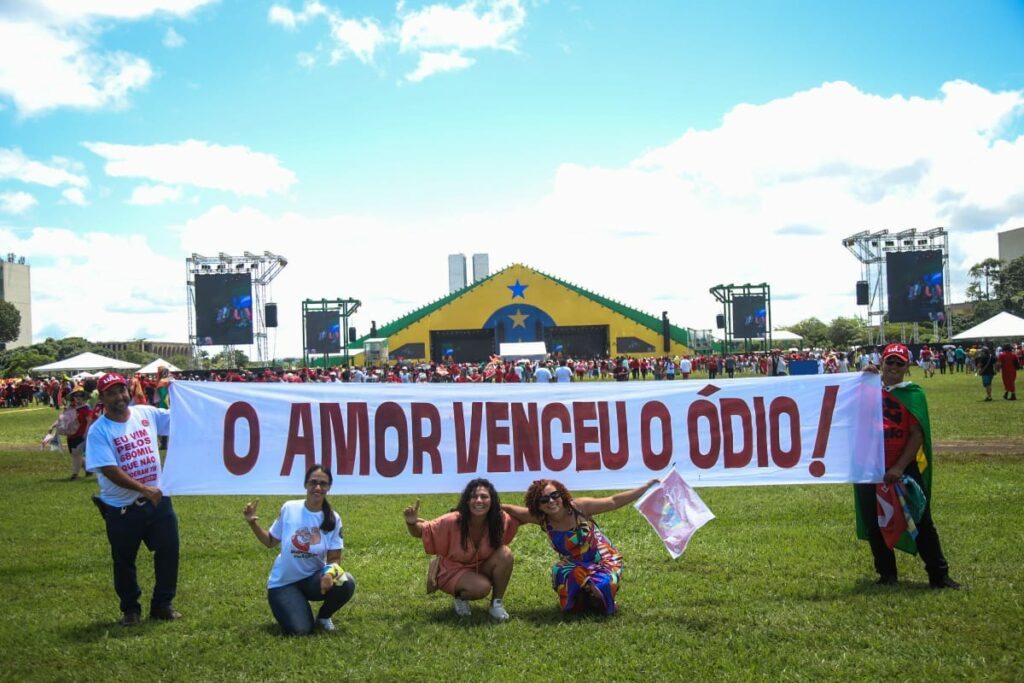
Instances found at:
x=433 y=438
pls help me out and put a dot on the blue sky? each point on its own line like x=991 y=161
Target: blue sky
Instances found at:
x=580 y=138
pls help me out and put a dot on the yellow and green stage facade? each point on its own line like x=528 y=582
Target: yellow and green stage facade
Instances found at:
x=520 y=304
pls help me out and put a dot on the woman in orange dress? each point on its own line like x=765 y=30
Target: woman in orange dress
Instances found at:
x=473 y=559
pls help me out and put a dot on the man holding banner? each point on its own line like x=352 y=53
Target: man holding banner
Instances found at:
x=908 y=451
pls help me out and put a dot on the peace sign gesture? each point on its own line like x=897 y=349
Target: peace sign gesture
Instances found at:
x=250 y=511
x=412 y=513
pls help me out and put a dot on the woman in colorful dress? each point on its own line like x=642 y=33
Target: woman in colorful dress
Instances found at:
x=589 y=569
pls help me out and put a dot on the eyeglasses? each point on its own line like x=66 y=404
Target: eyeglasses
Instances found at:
x=318 y=484
x=548 y=497
x=894 y=361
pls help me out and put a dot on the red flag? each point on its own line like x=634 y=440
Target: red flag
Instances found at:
x=891 y=520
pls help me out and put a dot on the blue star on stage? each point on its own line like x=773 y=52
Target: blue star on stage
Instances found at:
x=518 y=289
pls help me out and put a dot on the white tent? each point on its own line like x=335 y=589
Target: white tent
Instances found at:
x=86 y=361
x=151 y=368
x=785 y=335
x=999 y=326
x=519 y=350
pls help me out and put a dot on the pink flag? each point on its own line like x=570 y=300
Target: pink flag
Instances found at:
x=675 y=511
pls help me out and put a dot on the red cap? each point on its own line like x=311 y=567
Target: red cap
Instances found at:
x=108 y=380
x=898 y=350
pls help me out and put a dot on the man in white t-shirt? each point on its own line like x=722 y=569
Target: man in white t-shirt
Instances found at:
x=685 y=367
x=122 y=449
x=542 y=375
x=563 y=373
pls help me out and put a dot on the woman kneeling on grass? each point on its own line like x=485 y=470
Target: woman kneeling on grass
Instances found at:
x=587 y=576
x=471 y=545
x=306 y=570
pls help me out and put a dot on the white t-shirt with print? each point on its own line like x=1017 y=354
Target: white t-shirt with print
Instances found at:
x=304 y=546
x=130 y=445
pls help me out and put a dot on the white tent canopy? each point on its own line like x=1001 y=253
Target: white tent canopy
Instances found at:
x=86 y=361
x=519 y=350
x=151 y=368
x=785 y=335
x=999 y=326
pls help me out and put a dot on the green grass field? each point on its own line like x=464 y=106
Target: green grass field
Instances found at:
x=775 y=588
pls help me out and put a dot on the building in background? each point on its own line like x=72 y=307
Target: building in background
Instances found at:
x=481 y=267
x=456 y=272
x=1011 y=244
x=16 y=288
x=163 y=349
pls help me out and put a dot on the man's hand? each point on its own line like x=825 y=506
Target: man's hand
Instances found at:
x=326 y=581
x=153 y=495
x=892 y=475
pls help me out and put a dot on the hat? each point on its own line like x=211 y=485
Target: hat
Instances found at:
x=108 y=380
x=898 y=350
x=79 y=389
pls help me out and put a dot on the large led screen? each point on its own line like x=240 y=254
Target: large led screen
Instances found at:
x=916 y=289
x=323 y=332
x=224 y=309
x=749 y=317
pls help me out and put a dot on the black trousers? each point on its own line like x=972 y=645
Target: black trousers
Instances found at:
x=928 y=546
x=127 y=529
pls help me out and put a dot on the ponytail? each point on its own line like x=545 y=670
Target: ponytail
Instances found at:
x=328 y=523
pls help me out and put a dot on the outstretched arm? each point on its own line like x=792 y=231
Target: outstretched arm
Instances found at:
x=520 y=514
x=252 y=520
x=413 y=523
x=593 y=506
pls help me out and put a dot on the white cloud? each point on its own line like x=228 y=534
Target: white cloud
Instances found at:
x=74 y=196
x=151 y=195
x=465 y=27
x=763 y=197
x=437 y=62
x=16 y=202
x=83 y=11
x=48 y=58
x=199 y=164
x=14 y=165
x=282 y=16
x=172 y=38
x=148 y=282
x=358 y=37
x=439 y=35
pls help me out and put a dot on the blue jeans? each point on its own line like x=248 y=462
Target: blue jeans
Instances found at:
x=290 y=604
x=157 y=527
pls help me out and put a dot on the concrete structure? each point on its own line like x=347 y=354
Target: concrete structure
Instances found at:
x=162 y=349
x=16 y=288
x=456 y=272
x=1011 y=244
x=481 y=267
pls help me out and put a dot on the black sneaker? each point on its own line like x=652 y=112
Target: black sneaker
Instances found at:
x=167 y=613
x=944 y=582
x=131 y=619
x=886 y=580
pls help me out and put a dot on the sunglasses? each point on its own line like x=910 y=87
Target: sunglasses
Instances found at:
x=548 y=497
x=318 y=484
x=894 y=361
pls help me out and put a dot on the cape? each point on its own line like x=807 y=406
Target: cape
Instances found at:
x=913 y=399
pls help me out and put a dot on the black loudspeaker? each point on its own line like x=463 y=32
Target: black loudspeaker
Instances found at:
x=666 y=332
x=351 y=335
x=862 y=293
x=720 y=321
x=270 y=313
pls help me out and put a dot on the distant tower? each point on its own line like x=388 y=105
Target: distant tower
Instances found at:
x=16 y=287
x=480 y=267
x=457 y=271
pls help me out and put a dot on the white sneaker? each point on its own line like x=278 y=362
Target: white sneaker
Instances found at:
x=497 y=611
x=462 y=608
x=326 y=624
